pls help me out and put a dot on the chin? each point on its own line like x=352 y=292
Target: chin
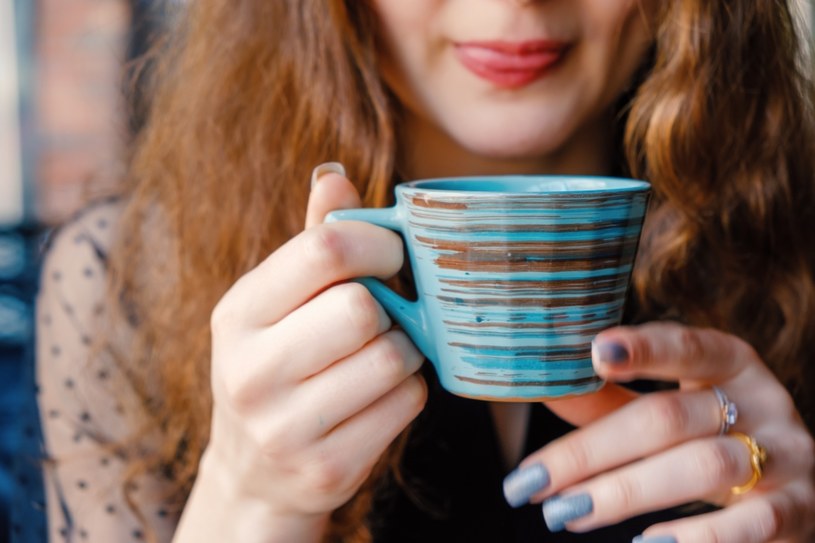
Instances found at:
x=505 y=143
x=513 y=131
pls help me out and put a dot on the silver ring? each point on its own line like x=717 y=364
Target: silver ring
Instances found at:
x=728 y=410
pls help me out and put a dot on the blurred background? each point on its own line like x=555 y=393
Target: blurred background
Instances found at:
x=65 y=120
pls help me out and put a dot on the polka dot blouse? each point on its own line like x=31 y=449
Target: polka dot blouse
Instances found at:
x=81 y=406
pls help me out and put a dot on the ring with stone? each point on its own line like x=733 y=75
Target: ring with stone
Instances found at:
x=729 y=412
x=758 y=457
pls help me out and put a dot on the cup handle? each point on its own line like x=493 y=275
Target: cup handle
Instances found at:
x=411 y=316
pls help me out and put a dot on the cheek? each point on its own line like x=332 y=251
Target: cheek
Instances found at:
x=617 y=34
x=408 y=31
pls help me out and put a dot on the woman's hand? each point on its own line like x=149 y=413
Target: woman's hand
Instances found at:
x=310 y=382
x=664 y=449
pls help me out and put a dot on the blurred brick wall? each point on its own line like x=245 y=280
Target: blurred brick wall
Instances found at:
x=81 y=45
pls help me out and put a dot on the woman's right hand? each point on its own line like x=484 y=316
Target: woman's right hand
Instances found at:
x=310 y=383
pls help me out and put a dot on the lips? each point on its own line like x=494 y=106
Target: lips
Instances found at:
x=508 y=64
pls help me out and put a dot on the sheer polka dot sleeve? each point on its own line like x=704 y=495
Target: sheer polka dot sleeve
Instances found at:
x=82 y=406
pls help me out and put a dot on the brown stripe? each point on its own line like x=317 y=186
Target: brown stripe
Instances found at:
x=462 y=263
x=422 y=201
x=529 y=325
x=571 y=301
x=581 y=381
x=501 y=248
x=489 y=201
x=531 y=228
x=549 y=355
x=554 y=285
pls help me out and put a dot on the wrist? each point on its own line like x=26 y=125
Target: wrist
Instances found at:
x=217 y=511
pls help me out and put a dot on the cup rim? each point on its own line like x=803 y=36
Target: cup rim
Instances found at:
x=613 y=184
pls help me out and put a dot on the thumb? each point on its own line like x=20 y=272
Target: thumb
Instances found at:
x=330 y=190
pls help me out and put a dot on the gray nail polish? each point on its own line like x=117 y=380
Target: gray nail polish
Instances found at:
x=610 y=352
x=522 y=483
x=559 y=510
x=654 y=539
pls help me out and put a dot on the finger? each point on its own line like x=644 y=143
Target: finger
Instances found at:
x=760 y=519
x=670 y=351
x=688 y=472
x=330 y=190
x=358 y=442
x=582 y=410
x=704 y=469
x=304 y=342
x=303 y=267
x=790 y=454
x=370 y=431
x=351 y=385
x=696 y=358
x=334 y=325
x=658 y=421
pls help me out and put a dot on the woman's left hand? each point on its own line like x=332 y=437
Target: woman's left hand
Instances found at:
x=660 y=450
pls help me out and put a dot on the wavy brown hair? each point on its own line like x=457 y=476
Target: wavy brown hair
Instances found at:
x=250 y=95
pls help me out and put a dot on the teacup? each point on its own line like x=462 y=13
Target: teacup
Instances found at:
x=515 y=276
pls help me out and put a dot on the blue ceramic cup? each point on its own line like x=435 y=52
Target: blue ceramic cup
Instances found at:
x=515 y=275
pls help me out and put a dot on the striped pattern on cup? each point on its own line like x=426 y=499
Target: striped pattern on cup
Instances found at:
x=519 y=284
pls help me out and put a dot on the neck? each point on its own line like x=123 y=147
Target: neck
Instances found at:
x=429 y=152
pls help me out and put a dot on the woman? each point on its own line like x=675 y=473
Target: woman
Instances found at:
x=286 y=420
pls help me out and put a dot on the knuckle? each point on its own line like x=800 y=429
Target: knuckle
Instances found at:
x=770 y=521
x=410 y=353
x=739 y=352
x=362 y=308
x=273 y=431
x=741 y=349
x=255 y=435
x=324 y=248
x=705 y=533
x=667 y=417
x=242 y=386
x=237 y=389
x=325 y=475
x=625 y=493
x=275 y=439
x=775 y=402
x=272 y=450
x=718 y=465
x=691 y=347
x=416 y=391
x=222 y=317
x=782 y=403
x=389 y=361
x=236 y=395
x=579 y=455
x=642 y=351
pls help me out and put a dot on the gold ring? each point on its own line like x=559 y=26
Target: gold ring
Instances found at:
x=758 y=457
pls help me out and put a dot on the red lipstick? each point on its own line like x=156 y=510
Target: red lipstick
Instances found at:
x=509 y=64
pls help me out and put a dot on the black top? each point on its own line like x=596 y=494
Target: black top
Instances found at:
x=454 y=472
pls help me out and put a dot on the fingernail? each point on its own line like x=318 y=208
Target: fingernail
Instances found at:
x=654 y=539
x=559 y=510
x=324 y=168
x=609 y=352
x=523 y=483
